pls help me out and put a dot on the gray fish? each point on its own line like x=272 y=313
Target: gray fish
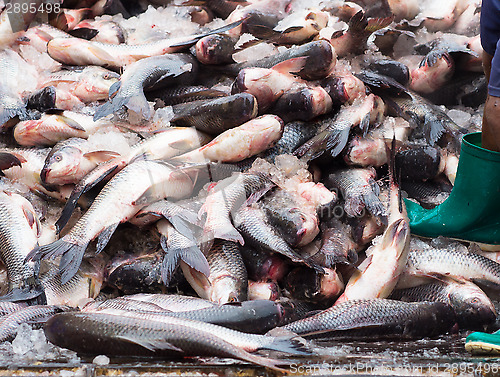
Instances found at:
x=76 y=51
x=91 y=83
x=215 y=116
x=36 y=314
x=137 y=185
x=252 y=223
x=7 y=307
x=122 y=303
x=425 y=260
x=359 y=189
x=472 y=306
x=320 y=60
x=377 y=318
x=86 y=284
x=286 y=213
x=257 y=316
x=147 y=74
x=19 y=231
x=429 y=193
x=129 y=333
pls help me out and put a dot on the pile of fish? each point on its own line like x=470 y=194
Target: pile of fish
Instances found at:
x=219 y=177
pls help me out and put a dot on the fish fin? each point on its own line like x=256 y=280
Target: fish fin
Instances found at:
x=337 y=34
x=263 y=31
x=486 y=283
x=8 y=160
x=151 y=345
x=85 y=185
x=229 y=234
x=104 y=237
x=110 y=107
x=83 y=33
x=378 y=23
x=293 y=65
x=364 y=125
x=100 y=156
x=114 y=89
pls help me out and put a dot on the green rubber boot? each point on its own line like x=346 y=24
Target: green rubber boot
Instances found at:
x=472 y=211
x=481 y=343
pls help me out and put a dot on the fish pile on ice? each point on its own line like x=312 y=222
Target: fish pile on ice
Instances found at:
x=181 y=178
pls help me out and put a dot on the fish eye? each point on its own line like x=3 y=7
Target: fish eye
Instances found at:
x=106 y=76
x=58 y=158
x=475 y=300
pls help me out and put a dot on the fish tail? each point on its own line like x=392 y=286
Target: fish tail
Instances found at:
x=433 y=128
x=71 y=256
x=337 y=141
x=192 y=256
x=110 y=107
x=10 y=113
x=260 y=360
x=288 y=344
x=33 y=294
x=373 y=204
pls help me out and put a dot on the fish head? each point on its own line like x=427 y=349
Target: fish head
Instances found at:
x=262 y=290
x=365 y=152
x=472 y=305
x=98 y=82
x=397 y=236
x=255 y=81
x=227 y=290
x=215 y=49
x=63 y=162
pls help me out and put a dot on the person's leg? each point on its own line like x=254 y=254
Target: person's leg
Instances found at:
x=491 y=124
x=491 y=116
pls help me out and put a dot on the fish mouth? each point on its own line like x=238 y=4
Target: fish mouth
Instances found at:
x=43 y=174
